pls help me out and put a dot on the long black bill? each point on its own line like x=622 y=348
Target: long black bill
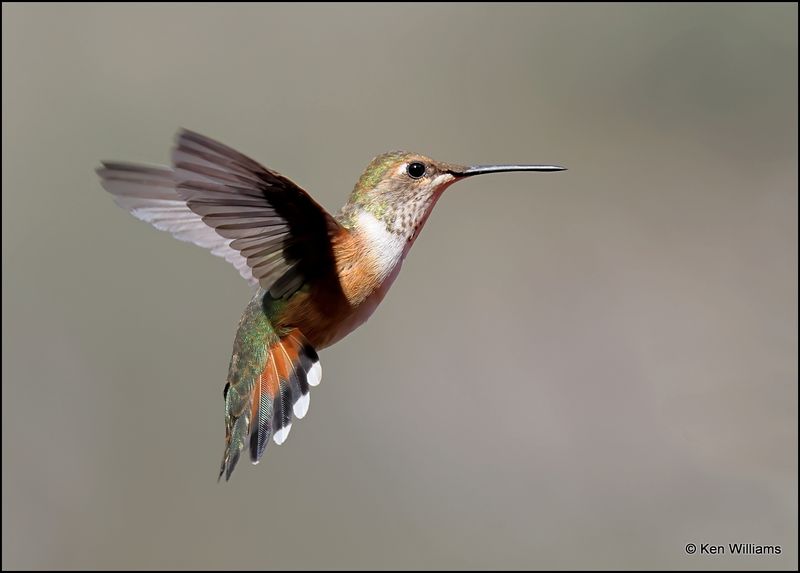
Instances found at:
x=482 y=169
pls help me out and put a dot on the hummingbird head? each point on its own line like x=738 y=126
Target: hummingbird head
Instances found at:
x=400 y=188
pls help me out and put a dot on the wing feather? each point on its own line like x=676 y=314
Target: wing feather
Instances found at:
x=264 y=224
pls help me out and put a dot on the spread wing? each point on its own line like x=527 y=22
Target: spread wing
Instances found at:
x=264 y=224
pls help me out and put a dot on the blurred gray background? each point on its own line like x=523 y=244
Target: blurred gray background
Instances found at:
x=585 y=369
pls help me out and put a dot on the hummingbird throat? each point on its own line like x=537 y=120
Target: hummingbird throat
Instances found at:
x=399 y=216
x=387 y=233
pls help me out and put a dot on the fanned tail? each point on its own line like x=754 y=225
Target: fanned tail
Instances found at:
x=276 y=394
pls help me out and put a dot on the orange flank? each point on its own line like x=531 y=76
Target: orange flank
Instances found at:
x=358 y=275
x=323 y=312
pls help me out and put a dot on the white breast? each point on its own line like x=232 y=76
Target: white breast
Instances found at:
x=388 y=249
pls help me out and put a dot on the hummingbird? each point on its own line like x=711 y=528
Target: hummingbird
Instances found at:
x=317 y=276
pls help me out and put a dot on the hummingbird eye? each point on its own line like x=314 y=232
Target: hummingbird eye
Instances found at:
x=415 y=170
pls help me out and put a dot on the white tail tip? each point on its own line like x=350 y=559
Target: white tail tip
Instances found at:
x=301 y=406
x=281 y=435
x=315 y=374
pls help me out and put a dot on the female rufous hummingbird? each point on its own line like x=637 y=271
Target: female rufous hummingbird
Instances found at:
x=318 y=276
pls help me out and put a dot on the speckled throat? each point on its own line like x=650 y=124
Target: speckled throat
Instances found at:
x=404 y=218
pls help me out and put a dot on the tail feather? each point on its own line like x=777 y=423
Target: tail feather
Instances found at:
x=282 y=414
x=279 y=391
x=237 y=437
x=309 y=362
x=261 y=423
x=300 y=393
